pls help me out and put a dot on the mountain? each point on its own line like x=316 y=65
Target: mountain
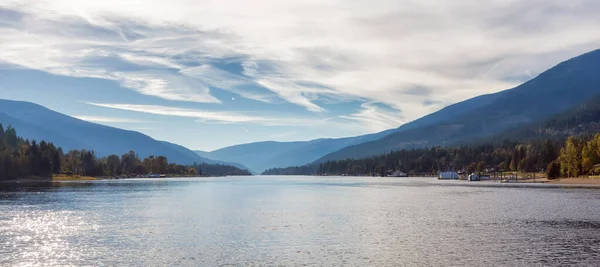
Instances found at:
x=557 y=89
x=33 y=121
x=265 y=155
x=582 y=120
x=193 y=154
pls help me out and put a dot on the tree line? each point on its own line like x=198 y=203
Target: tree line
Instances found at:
x=579 y=156
x=574 y=157
x=21 y=158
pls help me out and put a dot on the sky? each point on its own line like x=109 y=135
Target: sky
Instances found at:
x=210 y=74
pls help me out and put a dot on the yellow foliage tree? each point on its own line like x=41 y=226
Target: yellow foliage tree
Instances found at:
x=570 y=158
x=590 y=154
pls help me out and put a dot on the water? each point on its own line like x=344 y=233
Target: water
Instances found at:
x=296 y=221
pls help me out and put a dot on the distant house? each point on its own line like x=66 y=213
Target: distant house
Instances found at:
x=399 y=174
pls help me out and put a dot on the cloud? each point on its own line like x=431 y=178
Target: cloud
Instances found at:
x=101 y=119
x=307 y=53
x=212 y=76
x=166 y=85
x=377 y=118
x=215 y=116
x=418 y=91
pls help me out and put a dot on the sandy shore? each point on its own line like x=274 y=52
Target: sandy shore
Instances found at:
x=576 y=181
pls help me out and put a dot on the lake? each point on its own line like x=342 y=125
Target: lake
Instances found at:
x=296 y=221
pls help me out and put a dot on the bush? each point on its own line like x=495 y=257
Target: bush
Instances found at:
x=553 y=170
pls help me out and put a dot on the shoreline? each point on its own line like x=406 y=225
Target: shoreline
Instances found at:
x=576 y=181
x=561 y=182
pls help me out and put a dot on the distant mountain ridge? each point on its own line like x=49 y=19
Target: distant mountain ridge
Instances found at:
x=261 y=156
x=555 y=90
x=33 y=121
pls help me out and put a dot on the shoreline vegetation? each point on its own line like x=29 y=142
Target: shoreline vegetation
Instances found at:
x=546 y=161
x=572 y=160
x=590 y=182
x=23 y=160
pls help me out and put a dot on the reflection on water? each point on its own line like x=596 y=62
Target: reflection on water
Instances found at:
x=297 y=221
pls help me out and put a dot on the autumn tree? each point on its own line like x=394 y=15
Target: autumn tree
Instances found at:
x=481 y=166
x=590 y=154
x=570 y=158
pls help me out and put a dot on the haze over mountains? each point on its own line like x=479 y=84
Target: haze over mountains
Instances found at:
x=33 y=121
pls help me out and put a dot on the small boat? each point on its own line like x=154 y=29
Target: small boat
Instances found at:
x=447 y=176
x=399 y=174
x=474 y=177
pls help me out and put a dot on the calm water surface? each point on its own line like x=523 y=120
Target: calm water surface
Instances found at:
x=297 y=221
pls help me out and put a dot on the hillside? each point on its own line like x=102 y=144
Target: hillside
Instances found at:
x=558 y=89
x=583 y=119
x=40 y=123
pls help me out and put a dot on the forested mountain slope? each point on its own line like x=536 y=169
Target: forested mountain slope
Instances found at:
x=39 y=123
x=556 y=90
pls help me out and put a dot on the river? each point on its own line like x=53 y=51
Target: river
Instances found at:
x=295 y=221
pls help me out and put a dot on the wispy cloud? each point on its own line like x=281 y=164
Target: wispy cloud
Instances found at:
x=307 y=53
x=377 y=118
x=167 y=86
x=215 y=116
x=101 y=119
x=212 y=76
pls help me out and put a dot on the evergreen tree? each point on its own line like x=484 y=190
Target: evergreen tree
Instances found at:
x=113 y=165
x=553 y=170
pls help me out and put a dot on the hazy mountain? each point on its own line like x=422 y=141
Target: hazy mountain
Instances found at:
x=558 y=89
x=193 y=154
x=33 y=121
x=263 y=155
